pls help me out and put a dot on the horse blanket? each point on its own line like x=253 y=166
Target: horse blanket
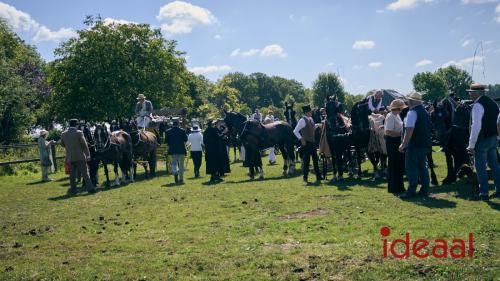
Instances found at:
x=377 y=141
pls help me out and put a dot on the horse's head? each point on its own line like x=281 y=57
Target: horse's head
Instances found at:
x=439 y=121
x=234 y=121
x=102 y=137
x=87 y=133
x=462 y=115
x=359 y=116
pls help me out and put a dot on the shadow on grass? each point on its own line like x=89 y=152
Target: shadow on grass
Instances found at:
x=83 y=192
x=494 y=205
x=461 y=188
x=432 y=202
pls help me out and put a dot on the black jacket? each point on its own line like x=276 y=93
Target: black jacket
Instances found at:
x=176 y=139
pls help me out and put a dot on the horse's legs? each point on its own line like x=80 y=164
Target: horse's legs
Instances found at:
x=152 y=163
x=261 y=173
x=106 y=173
x=430 y=163
x=450 y=167
x=374 y=160
x=286 y=161
x=115 y=169
x=251 y=172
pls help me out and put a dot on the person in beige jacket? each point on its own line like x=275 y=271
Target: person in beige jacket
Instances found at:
x=77 y=153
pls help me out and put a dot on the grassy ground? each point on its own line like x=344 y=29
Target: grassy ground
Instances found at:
x=278 y=229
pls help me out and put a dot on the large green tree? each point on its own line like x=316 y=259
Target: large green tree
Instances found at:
x=22 y=85
x=98 y=75
x=327 y=84
x=431 y=84
x=457 y=80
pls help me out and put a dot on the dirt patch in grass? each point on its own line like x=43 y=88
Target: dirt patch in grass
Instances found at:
x=303 y=215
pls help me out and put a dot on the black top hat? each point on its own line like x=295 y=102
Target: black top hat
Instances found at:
x=306 y=108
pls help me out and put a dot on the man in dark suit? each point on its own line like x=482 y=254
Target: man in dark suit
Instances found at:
x=77 y=153
x=176 y=139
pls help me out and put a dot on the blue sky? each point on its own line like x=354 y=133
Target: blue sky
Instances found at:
x=370 y=44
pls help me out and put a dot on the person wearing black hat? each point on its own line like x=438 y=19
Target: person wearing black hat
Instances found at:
x=176 y=139
x=483 y=139
x=304 y=131
x=195 y=142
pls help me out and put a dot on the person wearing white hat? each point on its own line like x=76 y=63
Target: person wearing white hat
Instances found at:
x=483 y=139
x=143 y=111
x=195 y=142
x=45 y=152
x=393 y=127
x=416 y=145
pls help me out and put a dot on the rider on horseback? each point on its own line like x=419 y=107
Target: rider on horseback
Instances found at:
x=143 y=111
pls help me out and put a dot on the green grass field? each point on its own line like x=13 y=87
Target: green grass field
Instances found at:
x=277 y=229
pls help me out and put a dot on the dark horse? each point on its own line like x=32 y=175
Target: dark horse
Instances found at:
x=93 y=164
x=338 y=137
x=360 y=132
x=450 y=120
x=144 y=145
x=256 y=136
x=114 y=148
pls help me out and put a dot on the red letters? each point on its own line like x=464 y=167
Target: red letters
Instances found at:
x=419 y=247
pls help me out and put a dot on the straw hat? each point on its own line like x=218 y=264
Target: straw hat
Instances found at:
x=397 y=103
x=44 y=133
x=476 y=87
x=141 y=96
x=415 y=96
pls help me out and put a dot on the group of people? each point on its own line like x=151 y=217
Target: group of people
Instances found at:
x=408 y=142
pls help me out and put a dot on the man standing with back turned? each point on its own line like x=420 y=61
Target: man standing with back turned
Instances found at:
x=483 y=139
x=77 y=153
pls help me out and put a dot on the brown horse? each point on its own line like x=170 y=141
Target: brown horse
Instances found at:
x=145 y=145
x=113 y=148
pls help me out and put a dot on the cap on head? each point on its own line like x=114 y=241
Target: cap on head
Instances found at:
x=141 y=97
x=306 y=108
x=73 y=122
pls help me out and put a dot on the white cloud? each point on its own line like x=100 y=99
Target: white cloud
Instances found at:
x=267 y=51
x=467 y=42
x=362 y=45
x=406 y=4
x=464 y=63
x=375 y=64
x=235 y=52
x=251 y=52
x=423 y=63
x=110 y=21
x=210 y=69
x=497 y=11
x=181 y=17
x=217 y=36
x=273 y=50
x=478 y=1
x=21 y=21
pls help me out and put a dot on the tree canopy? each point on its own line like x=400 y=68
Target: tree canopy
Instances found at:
x=326 y=85
x=98 y=75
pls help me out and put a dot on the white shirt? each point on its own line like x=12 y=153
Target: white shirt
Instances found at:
x=372 y=107
x=393 y=123
x=477 y=117
x=301 y=125
x=195 y=140
x=411 y=119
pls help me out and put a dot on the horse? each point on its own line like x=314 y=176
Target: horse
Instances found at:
x=114 y=148
x=450 y=120
x=93 y=164
x=292 y=120
x=144 y=145
x=338 y=134
x=360 y=132
x=256 y=136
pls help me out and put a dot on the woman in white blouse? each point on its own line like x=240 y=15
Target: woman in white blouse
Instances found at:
x=393 y=129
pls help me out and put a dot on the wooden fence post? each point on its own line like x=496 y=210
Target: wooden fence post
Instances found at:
x=54 y=157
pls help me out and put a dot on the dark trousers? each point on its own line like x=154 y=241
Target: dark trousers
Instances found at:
x=396 y=165
x=196 y=156
x=309 y=151
x=81 y=168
